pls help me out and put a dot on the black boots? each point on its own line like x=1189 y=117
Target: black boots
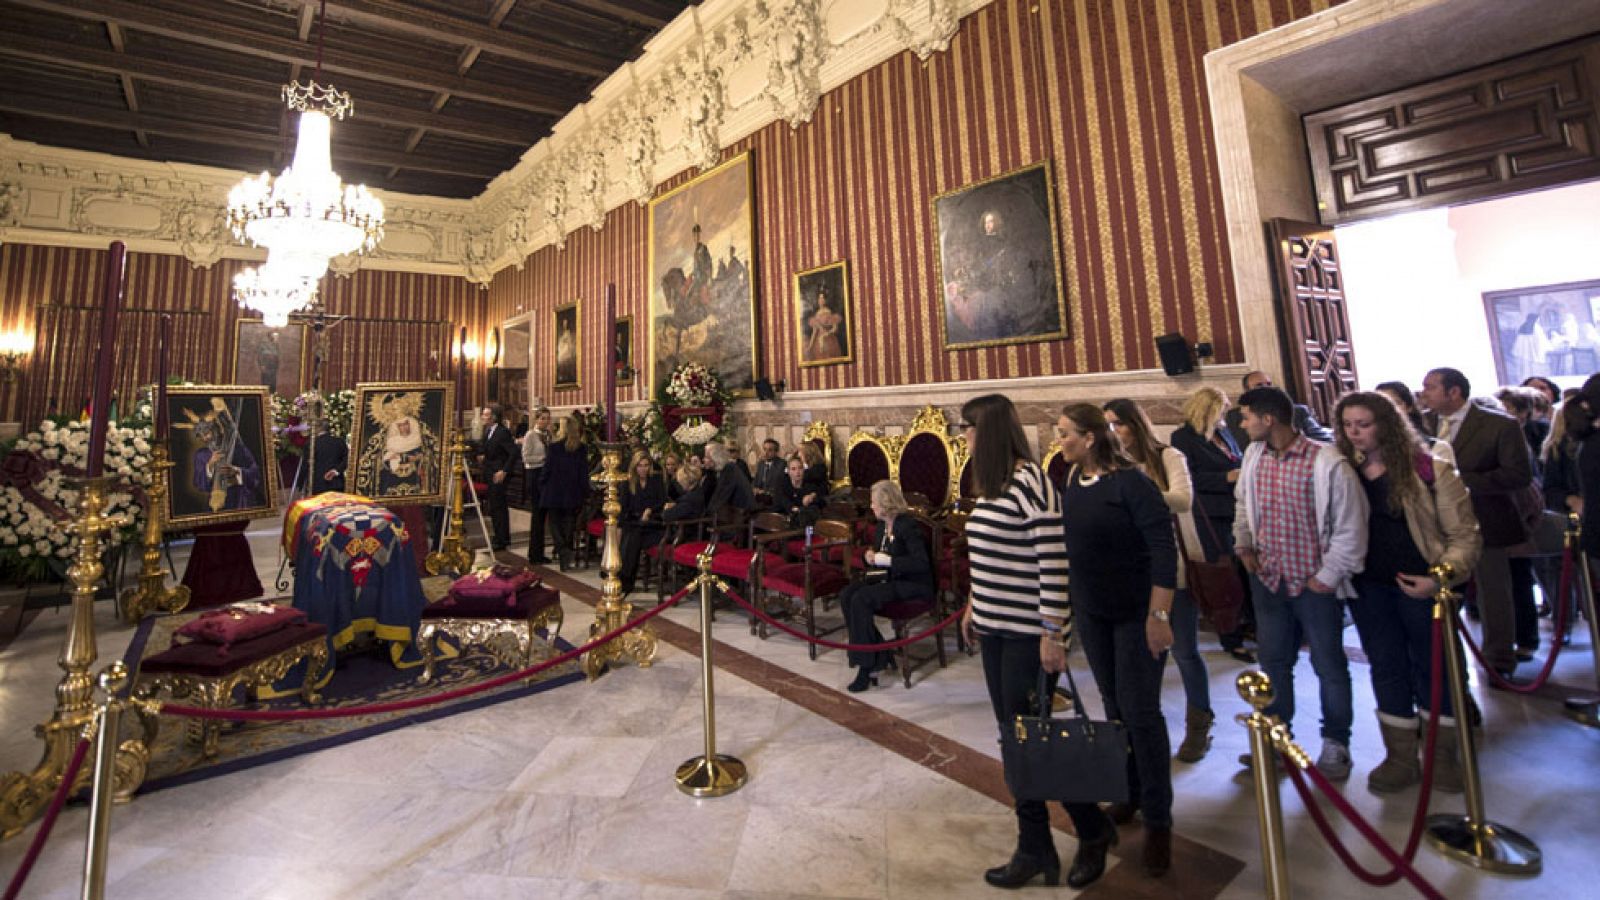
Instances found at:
x=1090 y=863
x=1023 y=868
x=864 y=680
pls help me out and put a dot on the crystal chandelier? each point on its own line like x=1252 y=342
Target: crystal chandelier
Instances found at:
x=306 y=215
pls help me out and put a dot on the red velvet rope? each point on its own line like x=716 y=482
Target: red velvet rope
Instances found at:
x=282 y=715
x=14 y=888
x=1400 y=863
x=1567 y=589
x=859 y=648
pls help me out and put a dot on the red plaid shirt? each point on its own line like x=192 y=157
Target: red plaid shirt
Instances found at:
x=1287 y=543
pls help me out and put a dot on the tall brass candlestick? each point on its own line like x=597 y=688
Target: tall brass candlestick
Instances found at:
x=451 y=556
x=152 y=593
x=638 y=645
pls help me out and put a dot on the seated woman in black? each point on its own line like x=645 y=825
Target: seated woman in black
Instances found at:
x=816 y=468
x=796 y=498
x=670 y=464
x=733 y=484
x=641 y=514
x=691 y=502
x=901 y=549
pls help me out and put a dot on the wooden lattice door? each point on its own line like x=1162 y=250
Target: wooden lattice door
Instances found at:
x=1318 y=352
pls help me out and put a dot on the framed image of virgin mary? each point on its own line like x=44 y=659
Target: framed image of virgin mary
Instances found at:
x=223 y=469
x=397 y=441
x=822 y=301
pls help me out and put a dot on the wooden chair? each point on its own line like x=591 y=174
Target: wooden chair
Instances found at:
x=904 y=613
x=823 y=570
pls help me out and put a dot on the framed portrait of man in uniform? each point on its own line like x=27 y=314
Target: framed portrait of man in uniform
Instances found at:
x=271 y=357
x=223 y=468
x=397 y=444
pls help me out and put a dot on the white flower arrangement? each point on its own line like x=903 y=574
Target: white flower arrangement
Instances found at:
x=695 y=435
x=693 y=385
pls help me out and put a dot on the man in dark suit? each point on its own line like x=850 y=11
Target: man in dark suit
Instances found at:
x=1305 y=421
x=1493 y=459
x=499 y=449
x=733 y=485
x=771 y=470
x=331 y=456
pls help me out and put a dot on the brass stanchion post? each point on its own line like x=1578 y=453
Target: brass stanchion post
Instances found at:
x=1472 y=838
x=152 y=593
x=451 y=555
x=713 y=774
x=1256 y=689
x=113 y=680
x=638 y=645
x=1585 y=709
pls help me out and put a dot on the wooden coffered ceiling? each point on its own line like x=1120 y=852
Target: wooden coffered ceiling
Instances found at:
x=448 y=93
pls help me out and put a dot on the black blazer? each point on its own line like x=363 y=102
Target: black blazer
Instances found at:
x=564 y=477
x=789 y=499
x=816 y=478
x=692 y=505
x=652 y=496
x=771 y=475
x=1209 y=466
x=733 y=487
x=908 y=549
x=499 y=451
x=330 y=453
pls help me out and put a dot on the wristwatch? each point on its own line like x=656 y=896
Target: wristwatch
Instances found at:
x=1049 y=626
x=1161 y=615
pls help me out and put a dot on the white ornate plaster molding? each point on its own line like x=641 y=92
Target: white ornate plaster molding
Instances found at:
x=54 y=196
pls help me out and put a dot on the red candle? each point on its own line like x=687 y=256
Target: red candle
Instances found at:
x=161 y=378
x=114 y=283
x=461 y=369
x=609 y=352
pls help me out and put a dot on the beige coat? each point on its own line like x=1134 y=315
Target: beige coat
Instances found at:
x=1442 y=523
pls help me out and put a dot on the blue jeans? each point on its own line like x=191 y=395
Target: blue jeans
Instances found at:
x=1397 y=635
x=1186 y=652
x=1281 y=621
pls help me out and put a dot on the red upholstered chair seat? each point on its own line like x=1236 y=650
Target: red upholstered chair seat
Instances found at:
x=734 y=562
x=789 y=579
x=688 y=553
x=596 y=528
x=906 y=608
x=213 y=661
x=829 y=553
x=482 y=487
x=521 y=606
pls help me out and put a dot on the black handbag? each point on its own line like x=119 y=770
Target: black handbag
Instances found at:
x=1070 y=760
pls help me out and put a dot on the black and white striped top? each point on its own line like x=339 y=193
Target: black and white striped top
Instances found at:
x=1018 y=553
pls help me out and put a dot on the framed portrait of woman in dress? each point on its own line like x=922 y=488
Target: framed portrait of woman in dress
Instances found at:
x=822 y=301
x=568 y=346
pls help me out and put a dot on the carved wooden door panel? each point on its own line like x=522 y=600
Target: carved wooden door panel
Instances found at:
x=1320 y=359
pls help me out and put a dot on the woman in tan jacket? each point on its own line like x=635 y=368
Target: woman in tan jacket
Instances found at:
x=1420 y=516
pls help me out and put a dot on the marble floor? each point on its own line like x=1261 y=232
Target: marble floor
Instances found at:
x=890 y=793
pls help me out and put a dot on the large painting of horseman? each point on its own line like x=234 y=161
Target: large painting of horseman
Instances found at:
x=702 y=276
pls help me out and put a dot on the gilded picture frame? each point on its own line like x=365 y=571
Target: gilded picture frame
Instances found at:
x=622 y=350
x=825 y=327
x=399 y=446
x=998 y=259
x=702 y=276
x=207 y=420
x=568 y=331
x=273 y=357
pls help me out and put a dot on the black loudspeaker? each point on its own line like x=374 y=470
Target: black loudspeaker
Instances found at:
x=1176 y=357
x=768 y=390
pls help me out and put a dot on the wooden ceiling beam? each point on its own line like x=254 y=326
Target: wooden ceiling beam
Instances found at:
x=237 y=39
x=129 y=95
x=212 y=82
x=625 y=12
x=415 y=21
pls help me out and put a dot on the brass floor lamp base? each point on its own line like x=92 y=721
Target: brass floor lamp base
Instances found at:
x=1490 y=847
x=712 y=776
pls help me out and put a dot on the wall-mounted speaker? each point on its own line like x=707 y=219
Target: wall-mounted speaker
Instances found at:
x=1176 y=357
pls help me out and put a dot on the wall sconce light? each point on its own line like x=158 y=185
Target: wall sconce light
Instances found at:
x=469 y=351
x=14 y=347
x=494 y=348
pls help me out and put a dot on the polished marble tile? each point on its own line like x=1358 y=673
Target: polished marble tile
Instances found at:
x=584 y=766
x=811 y=851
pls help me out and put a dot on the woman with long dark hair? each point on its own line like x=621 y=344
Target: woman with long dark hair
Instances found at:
x=1020 y=615
x=1124 y=570
x=566 y=484
x=1419 y=516
x=1170 y=472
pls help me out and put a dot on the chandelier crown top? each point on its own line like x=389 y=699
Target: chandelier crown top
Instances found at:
x=322 y=98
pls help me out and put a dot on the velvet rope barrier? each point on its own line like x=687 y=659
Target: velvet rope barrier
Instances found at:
x=836 y=645
x=1400 y=863
x=1566 y=589
x=287 y=715
x=14 y=888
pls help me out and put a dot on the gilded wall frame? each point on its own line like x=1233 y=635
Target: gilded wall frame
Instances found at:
x=825 y=328
x=701 y=277
x=998 y=260
x=207 y=419
x=274 y=357
x=398 y=446
x=568 y=331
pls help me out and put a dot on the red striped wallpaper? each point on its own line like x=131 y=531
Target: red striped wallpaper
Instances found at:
x=1111 y=93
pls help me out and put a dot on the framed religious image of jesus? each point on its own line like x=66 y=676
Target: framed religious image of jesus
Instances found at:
x=223 y=468
x=999 y=273
x=822 y=301
x=397 y=448
x=271 y=357
x=622 y=349
x=702 y=276
x=568 y=346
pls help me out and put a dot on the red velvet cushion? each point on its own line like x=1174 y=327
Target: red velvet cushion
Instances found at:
x=497 y=583
x=211 y=660
x=227 y=626
x=829 y=553
x=688 y=553
x=596 y=528
x=790 y=580
x=925 y=467
x=907 y=608
x=735 y=562
x=523 y=605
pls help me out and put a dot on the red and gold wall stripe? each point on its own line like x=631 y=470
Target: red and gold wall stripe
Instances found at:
x=1110 y=92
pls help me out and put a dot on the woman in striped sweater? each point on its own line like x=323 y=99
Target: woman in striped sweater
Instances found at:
x=1020 y=614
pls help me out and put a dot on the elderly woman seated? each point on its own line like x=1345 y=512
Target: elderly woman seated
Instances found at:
x=901 y=568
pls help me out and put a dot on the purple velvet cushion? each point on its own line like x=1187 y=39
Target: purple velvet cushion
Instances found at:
x=212 y=660
x=227 y=626
x=499 y=583
x=790 y=580
x=523 y=605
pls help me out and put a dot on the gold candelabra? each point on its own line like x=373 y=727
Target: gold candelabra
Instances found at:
x=451 y=556
x=152 y=593
x=638 y=645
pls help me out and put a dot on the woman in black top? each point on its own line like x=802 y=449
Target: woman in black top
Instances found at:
x=816 y=477
x=795 y=496
x=641 y=514
x=565 y=485
x=1124 y=565
x=902 y=550
x=691 y=502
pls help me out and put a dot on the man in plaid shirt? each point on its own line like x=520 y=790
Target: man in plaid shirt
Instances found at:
x=1301 y=530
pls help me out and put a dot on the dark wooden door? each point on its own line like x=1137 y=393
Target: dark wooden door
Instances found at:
x=1320 y=362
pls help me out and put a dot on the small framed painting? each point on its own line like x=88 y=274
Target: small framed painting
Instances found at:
x=568 y=346
x=622 y=350
x=822 y=301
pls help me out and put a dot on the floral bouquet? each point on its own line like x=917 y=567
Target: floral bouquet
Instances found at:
x=692 y=384
x=290 y=431
x=690 y=410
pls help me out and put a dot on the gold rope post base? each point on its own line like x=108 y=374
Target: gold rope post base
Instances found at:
x=152 y=594
x=1256 y=689
x=1472 y=839
x=451 y=556
x=712 y=774
x=638 y=645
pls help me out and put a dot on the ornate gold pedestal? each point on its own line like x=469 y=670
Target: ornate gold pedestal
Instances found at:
x=638 y=645
x=451 y=556
x=152 y=593
x=23 y=796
